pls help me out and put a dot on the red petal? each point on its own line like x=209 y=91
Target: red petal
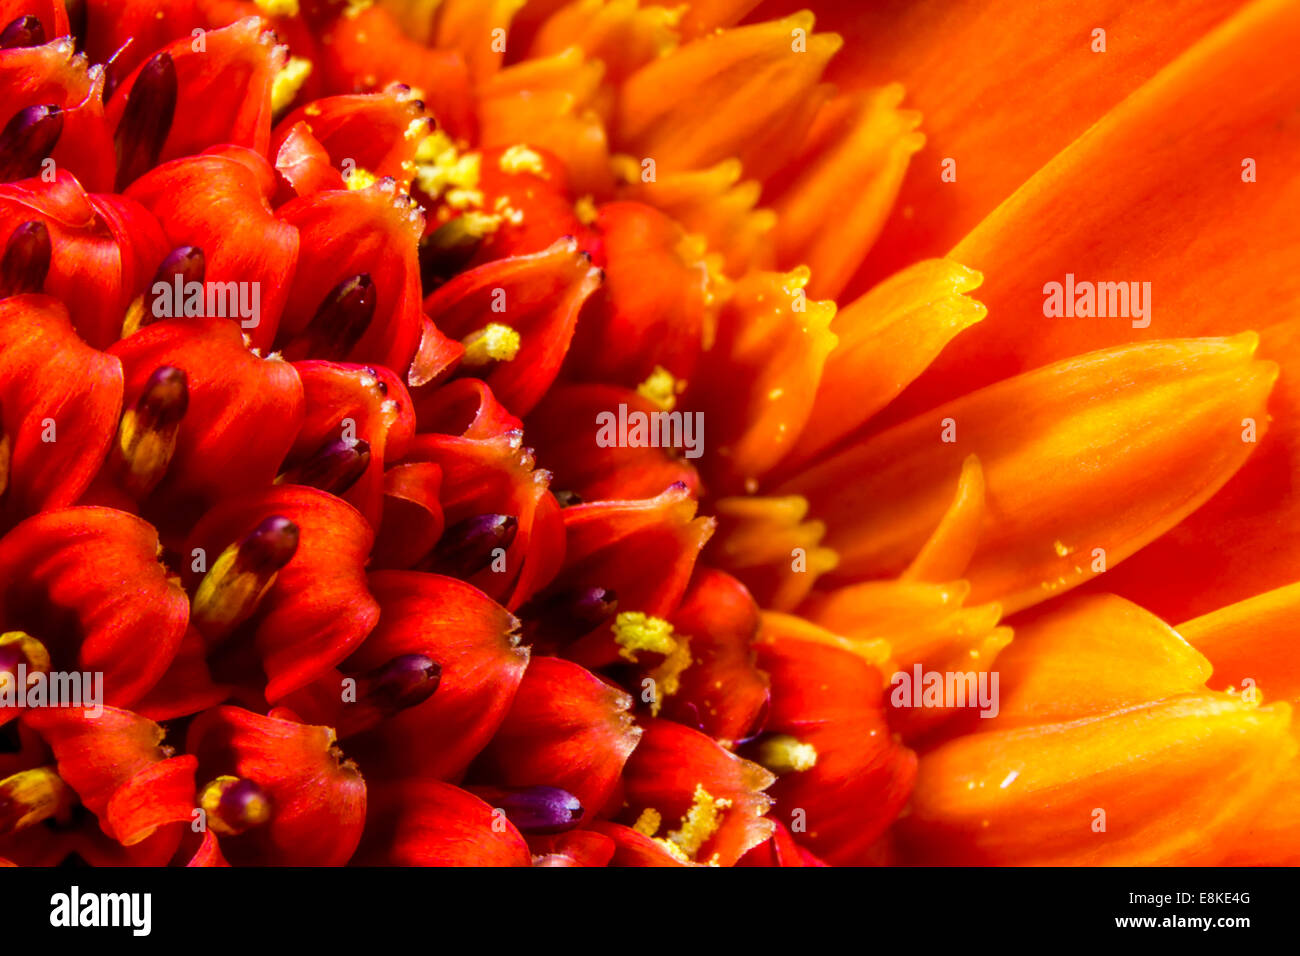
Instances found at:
x=319 y=608
x=375 y=401
x=567 y=728
x=223 y=92
x=722 y=692
x=372 y=130
x=539 y=296
x=644 y=551
x=220 y=202
x=105 y=248
x=119 y=771
x=665 y=774
x=344 y=233
x=243 y=412
x=473 y=639
x=87 y=583
x=428 y=823
x=318 y=800
x=831 y=699
x=655 y=307
x=563 y=430
x=47 y=374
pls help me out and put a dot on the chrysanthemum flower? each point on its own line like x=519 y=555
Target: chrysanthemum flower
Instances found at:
x=336 y=337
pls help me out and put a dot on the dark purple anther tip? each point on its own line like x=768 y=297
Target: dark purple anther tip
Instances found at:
x=467 y=547
x=146 y=120
x=27 y=141
x=24 y=32
x=25 y=262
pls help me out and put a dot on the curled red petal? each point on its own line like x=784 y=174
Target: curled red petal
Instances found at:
x=567 y=728
x=538 y=296
x=104 y=248
x=119 y=769
x=87 y=583
x=52 y=385
x=644 y=551
x=355 y=402
x=473 y=639
x=219 y=202
x=708 y=802
x=319 y=609
x=303 y=164
x=722 y=691
x=412 y=516
x=346 y=233
x=318 y=799
x=223 y=90
x=429 y=823
x=563 y=429
x=243 y=412
x=374 y=131
x=830 y=699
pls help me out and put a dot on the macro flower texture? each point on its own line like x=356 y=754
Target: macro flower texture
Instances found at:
x=601 y=433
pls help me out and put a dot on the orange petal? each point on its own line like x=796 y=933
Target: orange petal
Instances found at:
x=1092 y=655
x=1166 y=780
x=1005 y=112
x=758 y=381
x=1252 y=640
x=886 y=339
x=745 y=93
x=843 y=185
x=1218 y=104
x=1084 y=462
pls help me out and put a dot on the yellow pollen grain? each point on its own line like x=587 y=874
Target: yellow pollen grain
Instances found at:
x=277 y=8
x=702 y=821
x=289 y=81
x=647 y=824
x=668 y=675
x=785 y=754
x=635 y=631
x=492 y=343
x=661 y=389
x=521 y=159
x=359 y=179
x=585 y=210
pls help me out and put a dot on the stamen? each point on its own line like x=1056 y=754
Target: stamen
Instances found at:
x=521 y=159
x=278 y=8
x=661 y=389
x=339 y=323
x=146 y=438
x=289 y=80
x=334 y=467
x=635 y=631
x=26 y=259
x=359 y=178
x=26 y=31
x=233 y=805
x=467 y=547
x=31 y=796
x=449 y=248
x=27 y=141
x=404 y=682
x=784 y=754
x=20 y=649
x=492 y=343
x=700 y=823
x=535 y=810
x=230 y=592
x=184 y=264
x=146 y=120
